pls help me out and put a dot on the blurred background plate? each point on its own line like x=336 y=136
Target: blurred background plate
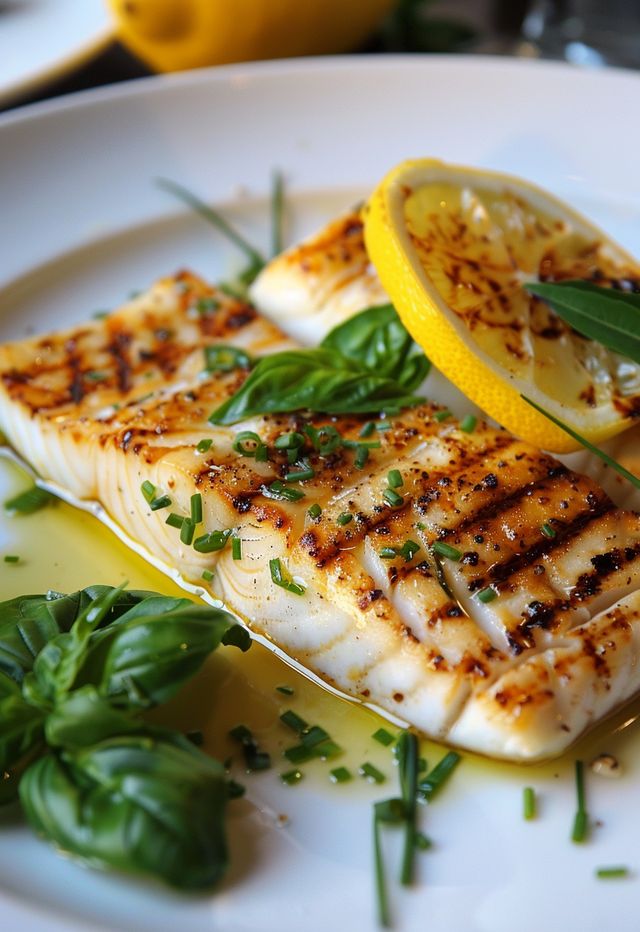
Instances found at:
x=41 y=40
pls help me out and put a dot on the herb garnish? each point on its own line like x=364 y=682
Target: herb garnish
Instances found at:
x=76 y=673
x=29 y=501
x=528 y=802
x=581 y=820
x=618 y=467
x=364 y=365
x=608 y=315
x=280 y=578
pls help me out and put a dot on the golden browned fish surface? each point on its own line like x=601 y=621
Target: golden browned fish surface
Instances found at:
x=511 y=642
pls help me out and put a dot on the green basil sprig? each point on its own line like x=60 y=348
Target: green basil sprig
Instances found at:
x=608 y=315
x=94 y=778
x=364 y=365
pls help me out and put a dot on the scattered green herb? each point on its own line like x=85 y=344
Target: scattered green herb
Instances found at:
x=547 y=530
x=207 y=575
x=581 y=821
x=254 y=757
x=394 y=478
x=236 y=548
x=446 y=550
x=291 y=777
x=174 y=520
x=382 y=736
x=368 y=429
x=293 y=721
x=29 y=501
x=442 y=415
x=219 y=358
x=392 y=498
x=371 y=773
x=285 y=690
x=280 y=578
x=187 y=530
x=281 y=492
x=345 y=518
x=212 y=542
x=196 y=508
x=248 y=443
x=529 y=802
x=300 y=475
x=430 y=785
x=468 y=423
x=315 y=511
x=612 y=873
x=340 y=775
x=203 y=446
x=487 y=595
x=11 y=558
x=277 y=213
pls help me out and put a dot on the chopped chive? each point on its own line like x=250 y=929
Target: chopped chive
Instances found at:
x=468 y=423
x=325 y=439
x=368 y=429
x=442 y=415
x=293 y=721
x=389 y=553
x=408 y=550
x=547 y=530
x=422 y=841
x=487 y=595
x=248 y=443
x=529 y=802
x=280 y=579
x=11 y=558
x=196 y=508
x=392 y=498
x=211 y=542
x=612 y=873
x=281 y=492
x=163 y=501
x=345 y=518
x=291 y=777
x=445 y=550
x=383 y=425
x=175 y=520
x=290 y=441
x=422 y=765
x=203 y=446
x=340 y=775
x=94 y=376
x=581 y=820
x=629 y=476
x=371 y=773
x=299 y=475
x=206 y=305
x=285 y=690
x=236 y=548
x=436 y=778
x=100 y=315
x=383 y=737
x=225 y=358
x=207 y=575
x=187 y=530
x=394 y=478
x=148 y=490
x=314 y=511
x=254 y=757
x=362 y=455
x=301 y=753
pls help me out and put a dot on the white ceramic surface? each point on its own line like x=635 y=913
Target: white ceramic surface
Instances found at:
x=42 y=40
x=83 y=224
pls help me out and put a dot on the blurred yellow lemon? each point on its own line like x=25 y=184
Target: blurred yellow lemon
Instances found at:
x=171 y=35
x=453 y=247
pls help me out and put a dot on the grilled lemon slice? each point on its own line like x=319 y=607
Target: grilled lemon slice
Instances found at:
x=454 y=247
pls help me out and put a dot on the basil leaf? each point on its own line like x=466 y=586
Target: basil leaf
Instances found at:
x=56 y=666
x=377 y=339
x=29 y=622
x=145 y=657
x=20 y=730
x=144 y=805
x=607 y=315
x=313 y=379
x=83 y=717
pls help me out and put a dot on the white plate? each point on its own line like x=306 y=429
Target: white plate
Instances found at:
x=42 y=40
x=83 y=224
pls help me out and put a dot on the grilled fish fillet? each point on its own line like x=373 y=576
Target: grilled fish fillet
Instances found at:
x=102 y=408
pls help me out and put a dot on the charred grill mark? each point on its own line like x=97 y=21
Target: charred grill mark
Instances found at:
x=500 y=572
x=604 y=565
x=119 y=350
x=493 y=509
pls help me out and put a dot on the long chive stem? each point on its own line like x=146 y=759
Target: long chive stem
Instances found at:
x=529 y=803
x=277 y=213
x=408 y=764
x=381 y=886
x=211 y=216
